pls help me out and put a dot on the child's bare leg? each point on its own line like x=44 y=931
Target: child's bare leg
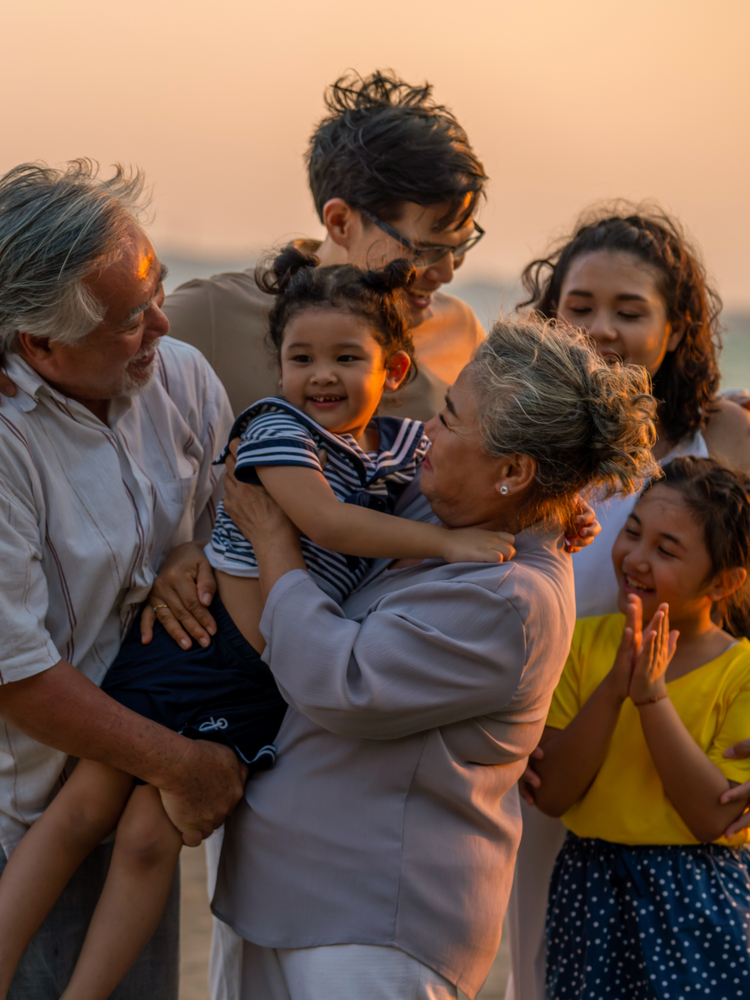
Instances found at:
x=145 y=855
x=76 y=821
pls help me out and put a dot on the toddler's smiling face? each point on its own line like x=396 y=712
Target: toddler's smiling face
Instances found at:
x=334 y=369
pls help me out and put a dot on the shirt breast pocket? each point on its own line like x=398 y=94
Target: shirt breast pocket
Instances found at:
x=175 y=507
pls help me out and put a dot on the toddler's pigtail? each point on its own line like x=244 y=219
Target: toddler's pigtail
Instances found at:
x=274 y=276
x=399 y=273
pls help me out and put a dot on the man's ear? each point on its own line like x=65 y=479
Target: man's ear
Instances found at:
x=396 y=370
x=34 y=348
x=675 y=333
x=343 y=223
x=515 y=474
x=727 y=582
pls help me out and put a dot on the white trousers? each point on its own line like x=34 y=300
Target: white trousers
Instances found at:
x=239 y=970
x=225 y=963
x=540 y=844
x=338 y=972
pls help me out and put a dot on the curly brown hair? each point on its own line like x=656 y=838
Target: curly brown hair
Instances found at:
x=378 y=297
x=688 y=378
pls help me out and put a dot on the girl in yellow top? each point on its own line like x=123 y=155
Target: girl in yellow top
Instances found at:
x=650 y=897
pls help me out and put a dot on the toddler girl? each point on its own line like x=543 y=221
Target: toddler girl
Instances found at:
x=649 y=898
x=341 y=339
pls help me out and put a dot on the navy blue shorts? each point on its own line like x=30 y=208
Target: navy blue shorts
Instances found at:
x=224 y=693
x=648 y=923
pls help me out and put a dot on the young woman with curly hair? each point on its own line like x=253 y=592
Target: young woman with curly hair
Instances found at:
x=630 y=277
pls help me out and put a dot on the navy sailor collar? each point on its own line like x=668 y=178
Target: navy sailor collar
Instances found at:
x=398 y=438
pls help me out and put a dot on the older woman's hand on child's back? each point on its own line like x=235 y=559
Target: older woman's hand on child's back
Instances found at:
x=739 y=792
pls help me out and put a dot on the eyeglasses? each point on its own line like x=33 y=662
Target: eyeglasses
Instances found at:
x=424 y=257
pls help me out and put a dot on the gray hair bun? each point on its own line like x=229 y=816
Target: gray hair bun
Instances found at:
x=547 y=393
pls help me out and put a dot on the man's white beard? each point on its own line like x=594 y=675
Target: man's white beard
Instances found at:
x=132 y=383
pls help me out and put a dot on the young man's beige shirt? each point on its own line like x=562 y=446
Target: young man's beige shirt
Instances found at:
x=226 y=318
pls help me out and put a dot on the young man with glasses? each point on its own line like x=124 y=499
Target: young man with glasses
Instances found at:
x=392 y=175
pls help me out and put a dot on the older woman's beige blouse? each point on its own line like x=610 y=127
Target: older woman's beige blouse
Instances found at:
x=412 y=710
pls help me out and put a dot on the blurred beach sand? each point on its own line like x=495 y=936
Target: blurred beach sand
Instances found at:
x=195 y=936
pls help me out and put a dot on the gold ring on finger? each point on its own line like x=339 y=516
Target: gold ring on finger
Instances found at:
x=155 y=607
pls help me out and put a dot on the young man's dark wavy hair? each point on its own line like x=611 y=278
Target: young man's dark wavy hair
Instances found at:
x=688 y=378
x=384 y=142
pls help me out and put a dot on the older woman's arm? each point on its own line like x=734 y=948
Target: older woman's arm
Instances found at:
x=428 y=656
x=432 y=654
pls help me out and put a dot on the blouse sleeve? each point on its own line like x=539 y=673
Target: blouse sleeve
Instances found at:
x=734 y=727
x=430 y=655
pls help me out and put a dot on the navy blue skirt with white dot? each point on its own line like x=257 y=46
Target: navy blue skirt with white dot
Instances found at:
x=648 y=923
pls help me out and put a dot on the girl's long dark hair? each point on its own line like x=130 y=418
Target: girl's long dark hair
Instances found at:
x=688 y=378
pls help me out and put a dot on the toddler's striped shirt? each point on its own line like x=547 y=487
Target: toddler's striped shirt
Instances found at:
x=273 y=432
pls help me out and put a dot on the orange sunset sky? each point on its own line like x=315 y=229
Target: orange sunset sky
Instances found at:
x=566 y=101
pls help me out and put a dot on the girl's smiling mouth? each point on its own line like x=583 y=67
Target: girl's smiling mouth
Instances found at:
x=632 y=586
x=326 y=401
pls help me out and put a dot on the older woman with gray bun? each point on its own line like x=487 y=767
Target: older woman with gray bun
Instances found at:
x=375 y=859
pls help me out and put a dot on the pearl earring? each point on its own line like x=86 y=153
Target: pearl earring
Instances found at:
x=503 y=490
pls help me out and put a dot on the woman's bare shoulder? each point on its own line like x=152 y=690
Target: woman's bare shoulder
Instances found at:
x=727 y=433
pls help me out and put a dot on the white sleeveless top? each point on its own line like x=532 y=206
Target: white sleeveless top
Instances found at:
x=595 y=580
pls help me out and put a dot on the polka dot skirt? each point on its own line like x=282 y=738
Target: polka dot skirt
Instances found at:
x=648 y=923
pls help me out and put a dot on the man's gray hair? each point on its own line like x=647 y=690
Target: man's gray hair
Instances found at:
x=56 y=228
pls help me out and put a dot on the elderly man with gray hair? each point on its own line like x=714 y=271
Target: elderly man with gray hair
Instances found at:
x=106 y=466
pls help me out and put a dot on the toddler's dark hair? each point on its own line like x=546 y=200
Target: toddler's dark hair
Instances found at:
x=377 y=297
x=719 y=499
x=688 y=378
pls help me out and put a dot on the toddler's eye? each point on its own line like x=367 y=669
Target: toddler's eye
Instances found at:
x=301 y=359
x=346 y=357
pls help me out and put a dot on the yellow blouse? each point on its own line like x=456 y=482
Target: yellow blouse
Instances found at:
x=626 y=803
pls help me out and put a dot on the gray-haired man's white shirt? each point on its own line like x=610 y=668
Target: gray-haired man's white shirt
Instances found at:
x=89 y=512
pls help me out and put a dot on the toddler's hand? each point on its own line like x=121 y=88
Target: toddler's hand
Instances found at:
x=653 y=657
x=478 y=545
x=583 y=529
